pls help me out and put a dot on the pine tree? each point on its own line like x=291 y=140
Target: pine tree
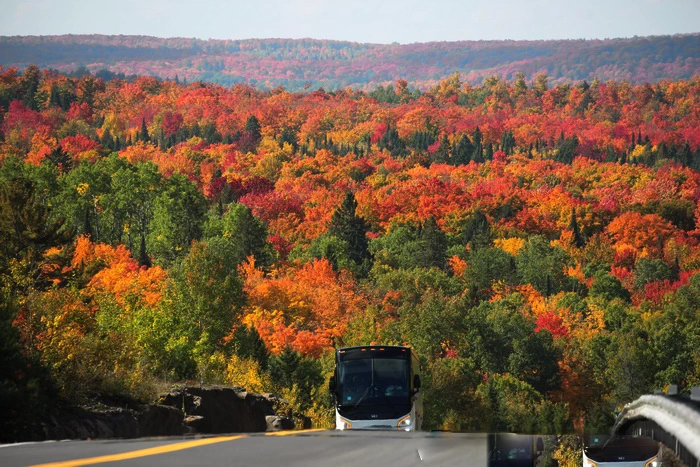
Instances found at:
x=434 y=242
x=60 y=159
x=520 y=84
x=107 y=141
x=508 y=142
x=463 y=151
x=252 y=126
x=54 y=96
x=488 y=154
x=477 y=231
x=143 y=135
x=348 y=226
x=144 y=259
x=478 y=154
x=443 y=151
x=573 y=226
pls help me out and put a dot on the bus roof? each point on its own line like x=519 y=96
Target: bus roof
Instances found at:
x=367 y=351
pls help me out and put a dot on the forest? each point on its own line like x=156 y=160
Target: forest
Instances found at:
x=304 y=64
x=536 y=244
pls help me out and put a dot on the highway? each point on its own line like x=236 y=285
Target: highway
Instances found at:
x=287 y=448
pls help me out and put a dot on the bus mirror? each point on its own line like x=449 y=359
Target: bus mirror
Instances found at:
x=416 y=382
x=540 y=446
x=332 y=384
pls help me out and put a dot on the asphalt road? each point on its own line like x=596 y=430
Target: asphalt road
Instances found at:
x=293 y=448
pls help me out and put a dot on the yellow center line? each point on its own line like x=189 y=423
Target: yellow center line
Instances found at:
x=161 y=449
x=142 y=452
x=287 y=433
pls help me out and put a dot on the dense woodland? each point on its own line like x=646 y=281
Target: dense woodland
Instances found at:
x=307 y=63
x=536 y=244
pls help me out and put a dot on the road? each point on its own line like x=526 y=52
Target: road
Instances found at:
x=292 y=448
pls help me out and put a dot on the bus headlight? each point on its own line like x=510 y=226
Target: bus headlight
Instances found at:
x=344 y=424
x=654 y=462
x=589 y=463
x=405 y=422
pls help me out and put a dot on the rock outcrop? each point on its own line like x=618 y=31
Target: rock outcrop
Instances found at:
x=184 y=410
x=223 y=409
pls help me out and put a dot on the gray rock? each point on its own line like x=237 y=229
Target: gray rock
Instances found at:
x=279 y=423
x=160 y=420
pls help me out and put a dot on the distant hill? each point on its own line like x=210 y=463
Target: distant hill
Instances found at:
x=308 y=63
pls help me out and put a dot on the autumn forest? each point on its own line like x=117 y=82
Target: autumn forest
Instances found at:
x=536 y=243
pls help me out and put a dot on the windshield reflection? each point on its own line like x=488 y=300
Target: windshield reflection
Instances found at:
x=373 y=381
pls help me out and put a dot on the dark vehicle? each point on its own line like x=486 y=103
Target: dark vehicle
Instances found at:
x=513 y=450
x=618 y=451
x=377 y=387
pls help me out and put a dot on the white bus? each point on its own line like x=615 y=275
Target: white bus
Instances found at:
x=621 y=451
x=377 y=387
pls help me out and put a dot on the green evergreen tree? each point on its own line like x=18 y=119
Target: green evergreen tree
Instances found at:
x=573 y=226
x=107 y=141
x=242 y=231
x=252 y=126
x=443 y=152
x=477 y=231
x=508 y=142
x=462 y=154
x=30 y=85
x=434 y=244
x=520 y=84
x=143 y=134
x=478 y=154
x=54 y=96
x=348 y=226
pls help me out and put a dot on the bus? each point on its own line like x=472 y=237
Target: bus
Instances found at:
x=377 y=387
x=627 y=451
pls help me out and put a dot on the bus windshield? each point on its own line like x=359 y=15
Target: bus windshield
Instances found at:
x=373 y=381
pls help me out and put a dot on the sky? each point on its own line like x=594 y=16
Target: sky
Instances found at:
x=375 y=21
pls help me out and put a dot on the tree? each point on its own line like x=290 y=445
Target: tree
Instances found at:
x=291 y=370
x=449 y=386
x=107 y=140
x=649 y=270
x=30 y=85
x=486 y=265
x=178 y=212
x=478 y=154
x=540 y=85
x=26 y=391
x=78 y=200
x=203 y=303
x=477 y=231
x=462 y=154
x=520 y=86
x=252 y=126
x=251 y=136
x=508 y=142
x=541 y=265
x=143 y=134
x=351 y=228
x=130 y=204
x=245 y=233
x=433 y=245
x=608 y=287
x=573 y=226
x=27 y=226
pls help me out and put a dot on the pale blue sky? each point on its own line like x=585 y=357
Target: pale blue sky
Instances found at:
x=379 y=21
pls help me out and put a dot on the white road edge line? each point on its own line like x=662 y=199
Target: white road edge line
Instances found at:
x=26 y=443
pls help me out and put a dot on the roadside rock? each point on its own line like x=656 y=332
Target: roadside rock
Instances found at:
x=160 y=420
x=83 y=424
x=223 y=409
x=278 y=423
x=215 y=409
